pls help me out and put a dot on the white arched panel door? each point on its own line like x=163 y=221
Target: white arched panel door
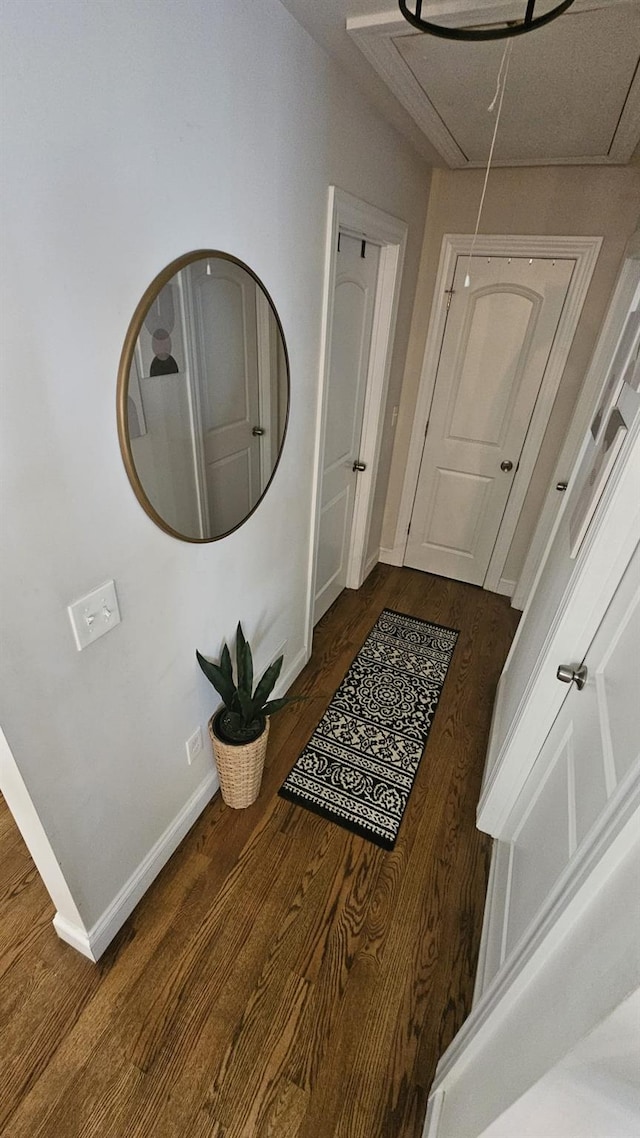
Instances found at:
x=496 y=345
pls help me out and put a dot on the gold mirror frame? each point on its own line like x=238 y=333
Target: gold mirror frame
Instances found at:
x=124 y=368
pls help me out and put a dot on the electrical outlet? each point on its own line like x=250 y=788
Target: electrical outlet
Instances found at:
x=194 y=745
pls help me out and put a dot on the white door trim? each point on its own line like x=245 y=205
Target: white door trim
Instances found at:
x=264 y=385
x=576 y=440
x=366 y=221
x=585 y=250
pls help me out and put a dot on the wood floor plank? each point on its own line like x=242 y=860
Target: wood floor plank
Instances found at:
x=91 y=1042
x=282 y=978
x=217 y=1006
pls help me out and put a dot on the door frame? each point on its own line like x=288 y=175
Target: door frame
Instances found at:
x=575 y=442
x=592 y=891
x=585 y=251
x=187 y=309
x=371 y=224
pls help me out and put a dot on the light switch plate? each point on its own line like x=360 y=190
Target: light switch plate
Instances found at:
x=94 y=615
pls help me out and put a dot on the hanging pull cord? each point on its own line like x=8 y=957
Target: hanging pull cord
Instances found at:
x=501 y=84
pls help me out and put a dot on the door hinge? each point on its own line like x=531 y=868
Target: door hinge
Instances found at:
x=449 y=293
x=426 y=429
x=409 y=529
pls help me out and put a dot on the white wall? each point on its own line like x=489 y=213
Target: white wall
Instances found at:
x=134 y=132
x=592 y=1092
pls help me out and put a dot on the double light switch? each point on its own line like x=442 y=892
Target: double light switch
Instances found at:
x=94 y=615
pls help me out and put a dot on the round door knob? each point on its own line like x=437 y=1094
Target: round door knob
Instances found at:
x=508 y=465
x=258 y=431
x=567 y=674
x=359 y=466
x=561 y=486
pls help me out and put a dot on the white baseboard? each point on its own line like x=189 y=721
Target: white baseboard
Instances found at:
x=434 y=1111
x=93 y=942
x=393 y=556
x=75 y=935
x=370 y=565
x=495 y=912
x=505 y=587
x=293 y=671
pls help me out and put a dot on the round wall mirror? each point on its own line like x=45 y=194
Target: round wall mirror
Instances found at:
x=203 y=396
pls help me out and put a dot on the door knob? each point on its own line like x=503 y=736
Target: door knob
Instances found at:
x=258 y=431
x=508 y=465
x=567 y=674
x=359 y=465
x=561 y=486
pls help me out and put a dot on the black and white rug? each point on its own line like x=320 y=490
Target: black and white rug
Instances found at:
x=359 y=765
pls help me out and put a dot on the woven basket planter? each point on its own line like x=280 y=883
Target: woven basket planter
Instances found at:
x=240 y=766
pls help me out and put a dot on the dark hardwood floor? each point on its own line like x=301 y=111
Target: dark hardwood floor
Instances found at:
x=282 y=978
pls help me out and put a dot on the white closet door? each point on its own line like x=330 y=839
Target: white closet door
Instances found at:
x=353 y=303
x=591 y=749
x=496 y=345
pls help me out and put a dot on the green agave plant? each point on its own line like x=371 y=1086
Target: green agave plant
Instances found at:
x=245 y=709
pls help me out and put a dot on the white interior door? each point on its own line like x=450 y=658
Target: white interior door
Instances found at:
x=589 y=752
x=353 y=305
x=223 y=300
x=496 y=345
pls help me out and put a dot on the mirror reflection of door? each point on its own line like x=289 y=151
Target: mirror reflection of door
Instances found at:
x=272 y=382
x=162 y=444
x=497 y=340
x=353 y=305
x=225 y=367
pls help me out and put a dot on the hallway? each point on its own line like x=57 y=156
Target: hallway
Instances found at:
x=282 y=977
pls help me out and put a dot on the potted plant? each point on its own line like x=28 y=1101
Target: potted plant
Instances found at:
x=240 y=728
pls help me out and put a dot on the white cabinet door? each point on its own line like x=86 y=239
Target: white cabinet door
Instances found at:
x=496 y=344
x=353 y=303
x=591 y=750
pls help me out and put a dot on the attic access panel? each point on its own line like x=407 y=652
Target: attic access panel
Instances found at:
x=573 y=94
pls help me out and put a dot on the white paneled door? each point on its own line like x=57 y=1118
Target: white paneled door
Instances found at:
x=353 y=305
x=225 y=347
x=589 y=752
x=497 y=340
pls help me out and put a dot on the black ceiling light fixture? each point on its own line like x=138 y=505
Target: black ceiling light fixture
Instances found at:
x=412 y=11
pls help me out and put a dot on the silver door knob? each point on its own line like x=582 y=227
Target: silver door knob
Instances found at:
x=359 y=465
x=567 y=674
x=508 y=465
x=258 y=431
x=561 y=486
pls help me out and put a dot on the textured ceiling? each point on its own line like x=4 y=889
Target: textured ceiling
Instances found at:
x=573 y=91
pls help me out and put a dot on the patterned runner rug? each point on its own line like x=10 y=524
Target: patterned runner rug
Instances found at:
x=359 y=765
